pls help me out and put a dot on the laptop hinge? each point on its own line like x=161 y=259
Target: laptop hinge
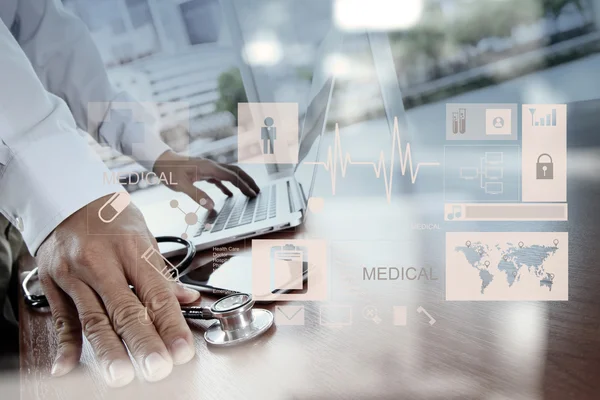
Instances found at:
x=294 y=202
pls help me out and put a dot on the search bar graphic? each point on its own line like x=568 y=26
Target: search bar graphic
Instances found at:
x=506 y=212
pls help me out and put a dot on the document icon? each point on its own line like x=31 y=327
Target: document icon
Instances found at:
x=289 y=270
x=289 y=264
x=289 y=315
x=400 y=315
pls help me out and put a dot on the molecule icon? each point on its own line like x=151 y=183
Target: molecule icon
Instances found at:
x=190 y=218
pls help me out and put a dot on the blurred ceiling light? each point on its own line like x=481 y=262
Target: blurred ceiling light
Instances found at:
x=338 y=65
x=264 y=51
x=380 y=15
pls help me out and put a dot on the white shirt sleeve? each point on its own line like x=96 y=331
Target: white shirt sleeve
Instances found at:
x=47 y=169
x=66 y=60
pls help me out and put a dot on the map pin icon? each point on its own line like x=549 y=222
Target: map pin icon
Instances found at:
x=468 y=243
x=487 y=263
x=521 y=244
x=505 y=258
x=556 y=242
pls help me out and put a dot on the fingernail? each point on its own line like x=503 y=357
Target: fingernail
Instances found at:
x=193 y=294
x=182 y=351
x=156 y=367
x=120 y=373
x=60 y=368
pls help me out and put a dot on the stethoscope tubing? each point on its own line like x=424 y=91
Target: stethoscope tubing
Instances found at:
x=40 y=301
x=246 y=322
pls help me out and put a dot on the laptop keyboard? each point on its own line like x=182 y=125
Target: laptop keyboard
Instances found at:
x=242 y=210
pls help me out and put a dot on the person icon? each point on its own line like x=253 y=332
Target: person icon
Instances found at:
x=498 y=122
x=268 y=134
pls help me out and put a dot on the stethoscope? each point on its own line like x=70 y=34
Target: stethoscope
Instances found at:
x=237 y=320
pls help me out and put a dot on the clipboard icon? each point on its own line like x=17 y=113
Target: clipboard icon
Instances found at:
x=289 y=268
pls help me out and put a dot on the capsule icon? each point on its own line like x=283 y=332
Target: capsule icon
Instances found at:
x=114 y=207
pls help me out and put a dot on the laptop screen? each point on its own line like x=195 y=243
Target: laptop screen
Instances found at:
x=314 y=124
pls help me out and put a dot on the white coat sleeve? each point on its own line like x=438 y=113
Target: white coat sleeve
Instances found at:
x=68 y=63
x=47 y=169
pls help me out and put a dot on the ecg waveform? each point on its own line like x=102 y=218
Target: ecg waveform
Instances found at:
x=337 y=157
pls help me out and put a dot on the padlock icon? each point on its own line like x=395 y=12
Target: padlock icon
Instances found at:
x=544 y=170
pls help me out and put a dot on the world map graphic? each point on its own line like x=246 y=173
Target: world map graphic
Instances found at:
x=515 y=260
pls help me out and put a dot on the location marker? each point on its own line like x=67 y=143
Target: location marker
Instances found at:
x=556 y=242
x=468 y=243
x=504 y=258
x=521 y=244
x=514 y=273
x=487 y=263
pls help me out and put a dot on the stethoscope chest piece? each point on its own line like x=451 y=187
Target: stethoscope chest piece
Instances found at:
x=262 y=320
x=237 y=321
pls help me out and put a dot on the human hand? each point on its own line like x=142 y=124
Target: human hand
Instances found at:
x=85 y=278
x=185 y=171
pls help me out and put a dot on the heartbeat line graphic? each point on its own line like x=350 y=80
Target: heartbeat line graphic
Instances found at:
x=336 y=156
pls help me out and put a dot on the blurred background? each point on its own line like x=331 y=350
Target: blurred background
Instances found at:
x=166 y=51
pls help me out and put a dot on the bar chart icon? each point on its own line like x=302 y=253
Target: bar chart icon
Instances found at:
x=544 y=120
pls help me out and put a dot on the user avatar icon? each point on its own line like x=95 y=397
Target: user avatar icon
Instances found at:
x=498 y=121
x=268 y=134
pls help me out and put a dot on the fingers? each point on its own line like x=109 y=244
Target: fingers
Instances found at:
x=97 y=328
x=158 y=295
x=133 y=323
x=244 y=176
x=68 y=328
x=223 y=188
x=185 y=295
x=197 y=195
x=237 y=177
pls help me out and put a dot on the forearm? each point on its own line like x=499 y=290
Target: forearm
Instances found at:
x=69 y=65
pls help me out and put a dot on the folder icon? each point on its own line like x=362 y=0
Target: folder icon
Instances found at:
x=289 y=315
x=288 y=266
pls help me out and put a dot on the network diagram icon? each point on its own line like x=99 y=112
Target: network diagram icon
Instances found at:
x=191 y=218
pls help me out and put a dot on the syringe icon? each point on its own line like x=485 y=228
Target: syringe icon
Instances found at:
x=168 y=270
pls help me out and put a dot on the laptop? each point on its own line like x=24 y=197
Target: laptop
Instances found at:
x=282 y=201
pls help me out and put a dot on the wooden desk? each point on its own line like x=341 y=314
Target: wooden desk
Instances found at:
x=475 y=350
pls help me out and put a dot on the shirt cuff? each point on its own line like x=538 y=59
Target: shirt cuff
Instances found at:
x=49 y=179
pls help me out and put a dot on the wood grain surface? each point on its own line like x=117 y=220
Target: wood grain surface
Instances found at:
x=475 y=350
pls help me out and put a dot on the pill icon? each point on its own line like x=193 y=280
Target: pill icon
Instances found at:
x=114 y=207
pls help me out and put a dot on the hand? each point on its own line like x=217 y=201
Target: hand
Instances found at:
x=185 y=171
x=85 y=278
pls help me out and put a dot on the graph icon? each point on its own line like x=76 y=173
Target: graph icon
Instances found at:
x=545 y=120
x=337 y=158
